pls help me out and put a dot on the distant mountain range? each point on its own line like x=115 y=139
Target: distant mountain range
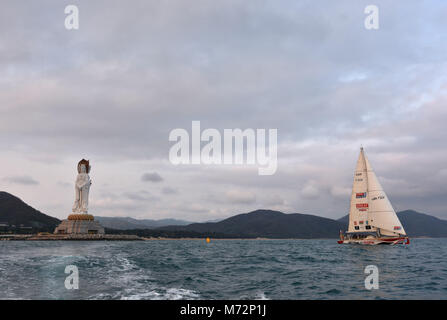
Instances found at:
x=127 y=223
x=268 y=224
x=256 y=224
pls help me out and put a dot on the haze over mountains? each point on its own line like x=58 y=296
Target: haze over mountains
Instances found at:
x=259 y=223
x=126 y=223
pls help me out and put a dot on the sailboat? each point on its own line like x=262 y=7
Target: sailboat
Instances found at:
x=372 y=219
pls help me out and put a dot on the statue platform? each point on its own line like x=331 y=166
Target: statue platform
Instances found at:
x=79 y=224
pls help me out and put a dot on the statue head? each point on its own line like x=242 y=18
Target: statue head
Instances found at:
x=84 y=166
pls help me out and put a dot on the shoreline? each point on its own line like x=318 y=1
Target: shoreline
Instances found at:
x=128 y=237
x=110 y=237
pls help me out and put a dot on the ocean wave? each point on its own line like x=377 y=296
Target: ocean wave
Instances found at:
x=261 y=296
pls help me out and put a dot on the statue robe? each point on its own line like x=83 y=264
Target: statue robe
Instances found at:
x=82 y=188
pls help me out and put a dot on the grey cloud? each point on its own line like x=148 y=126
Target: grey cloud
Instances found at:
x=310 y=192
x=141 y=196
x=298 y=86
x=151 y=177
x=273 y=200
x=168 y=190
x=240 y=197
x=64 y=184
x=23 y=180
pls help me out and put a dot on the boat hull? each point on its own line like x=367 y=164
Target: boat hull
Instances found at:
x=376 y=241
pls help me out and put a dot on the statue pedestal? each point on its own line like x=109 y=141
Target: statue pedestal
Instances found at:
x=79 y=224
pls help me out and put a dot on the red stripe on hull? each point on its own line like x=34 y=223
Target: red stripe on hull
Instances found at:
x=399 y=240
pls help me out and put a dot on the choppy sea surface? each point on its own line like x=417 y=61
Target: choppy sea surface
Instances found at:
x=222 y=269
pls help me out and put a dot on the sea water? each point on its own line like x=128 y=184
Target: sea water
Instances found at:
x=222 y=269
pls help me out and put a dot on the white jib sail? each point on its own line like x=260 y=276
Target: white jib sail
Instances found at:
x=381 y=213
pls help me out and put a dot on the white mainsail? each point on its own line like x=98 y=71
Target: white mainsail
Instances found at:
x=370 y=208
x=358 y=213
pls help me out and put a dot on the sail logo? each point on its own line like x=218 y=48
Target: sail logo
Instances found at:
x=360 y=195
x=397 y=228
x=361 y=205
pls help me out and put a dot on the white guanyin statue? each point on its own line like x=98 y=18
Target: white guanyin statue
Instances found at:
x=82 y=187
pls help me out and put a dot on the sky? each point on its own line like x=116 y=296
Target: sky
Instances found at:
x=113 y=90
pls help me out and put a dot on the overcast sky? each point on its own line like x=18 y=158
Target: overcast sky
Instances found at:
x=113 y=90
